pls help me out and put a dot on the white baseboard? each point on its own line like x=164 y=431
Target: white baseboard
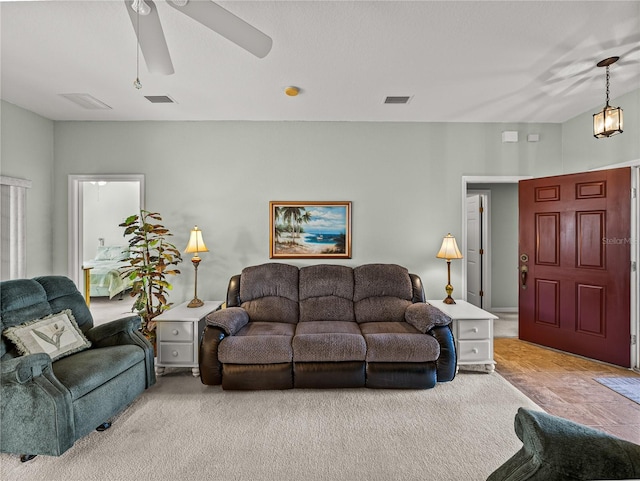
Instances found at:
x=504 y=309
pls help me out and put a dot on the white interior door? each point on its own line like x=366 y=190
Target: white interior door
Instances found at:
x=473 y=254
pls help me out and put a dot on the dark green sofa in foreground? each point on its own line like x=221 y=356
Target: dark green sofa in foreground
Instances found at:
x=556 y=449
x=45 y=405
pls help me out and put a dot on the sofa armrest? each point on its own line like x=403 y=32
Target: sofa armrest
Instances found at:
x=124 y=331
x=448 y=360
x=210 y=366
x=556 y=449
x=101 y=333
x=424 y=316
x=36 y=411
x=230 y=320
x=24 y=368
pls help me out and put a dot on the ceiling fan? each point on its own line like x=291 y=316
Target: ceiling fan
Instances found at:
x=146 y=23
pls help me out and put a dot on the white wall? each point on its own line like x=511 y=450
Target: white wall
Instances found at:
x=403 y=180
x=26 y=152
x=104 y=208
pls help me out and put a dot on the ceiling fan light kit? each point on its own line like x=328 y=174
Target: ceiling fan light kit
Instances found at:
x=140 y=7
x=609 y=121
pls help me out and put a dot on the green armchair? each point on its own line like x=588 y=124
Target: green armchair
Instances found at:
x=45 y=405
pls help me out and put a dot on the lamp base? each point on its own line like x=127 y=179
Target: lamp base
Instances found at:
x=195 y=302
x=449 y=300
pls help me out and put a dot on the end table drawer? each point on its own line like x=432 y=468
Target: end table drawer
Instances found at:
x=176 y=331
x=474 y=350
x=475 y=329
x=176 y=352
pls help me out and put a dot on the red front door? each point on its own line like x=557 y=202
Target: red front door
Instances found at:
x=575 y=263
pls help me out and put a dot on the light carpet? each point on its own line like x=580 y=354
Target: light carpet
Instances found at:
x=182 y=430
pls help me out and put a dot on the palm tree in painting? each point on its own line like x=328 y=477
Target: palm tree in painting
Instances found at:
x=291 y=216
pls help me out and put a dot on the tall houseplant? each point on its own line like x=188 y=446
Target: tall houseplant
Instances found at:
x=152 y=259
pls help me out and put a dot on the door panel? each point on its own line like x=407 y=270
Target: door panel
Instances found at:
x=575 y=275
x=474 y=246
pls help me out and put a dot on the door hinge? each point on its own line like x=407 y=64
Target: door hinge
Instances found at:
x=634 y=192
x=634 y=266
x=481 y=209
x=634 y=339
x=481 y=252
x=481 y=293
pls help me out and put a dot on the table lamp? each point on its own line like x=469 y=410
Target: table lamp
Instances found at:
x=195 y=245
x=449 y=250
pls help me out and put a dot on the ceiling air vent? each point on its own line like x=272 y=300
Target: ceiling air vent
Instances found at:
x=86 y=101
x=159 y=99
x=397 y=100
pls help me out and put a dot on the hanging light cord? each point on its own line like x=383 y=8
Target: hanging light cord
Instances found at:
x=137 y=83
x=607 y=85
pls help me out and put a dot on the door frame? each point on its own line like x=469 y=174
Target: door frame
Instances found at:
x=635 y=256
x=485 y=258
x=75 y=216
x=481 y=179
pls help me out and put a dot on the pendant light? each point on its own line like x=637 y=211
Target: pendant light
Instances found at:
x=609 y=121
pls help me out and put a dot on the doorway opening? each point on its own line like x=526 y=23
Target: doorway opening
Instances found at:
x=97 y=204
x=495 y=280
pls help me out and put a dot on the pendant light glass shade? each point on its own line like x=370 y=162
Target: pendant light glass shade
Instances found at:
x=609 y=121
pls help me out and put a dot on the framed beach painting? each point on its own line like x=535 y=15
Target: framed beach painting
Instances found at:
x=309 y=230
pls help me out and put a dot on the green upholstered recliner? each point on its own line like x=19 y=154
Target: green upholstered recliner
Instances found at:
x=556 y=449
x=46 y=406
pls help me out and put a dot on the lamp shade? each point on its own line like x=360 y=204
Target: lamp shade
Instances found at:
x=196 y=244
x=449 y=249
x=608 y=122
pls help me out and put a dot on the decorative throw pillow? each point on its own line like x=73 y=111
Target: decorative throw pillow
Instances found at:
x=57 y=335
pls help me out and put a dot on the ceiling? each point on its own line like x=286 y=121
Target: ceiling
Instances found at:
x=477 y=61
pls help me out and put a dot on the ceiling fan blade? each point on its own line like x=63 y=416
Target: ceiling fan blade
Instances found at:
x=151 y=39
x=225 y=23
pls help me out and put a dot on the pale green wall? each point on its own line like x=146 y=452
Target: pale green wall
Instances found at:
x=26 y=152
x=404 y=180
x=582 y=151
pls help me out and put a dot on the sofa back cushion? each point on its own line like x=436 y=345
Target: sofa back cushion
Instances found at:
x=326 y=293
x=27 y=300
x=269 y=293
x=382 y=292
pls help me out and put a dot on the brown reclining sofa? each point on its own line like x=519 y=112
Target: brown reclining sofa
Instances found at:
x=326 y=326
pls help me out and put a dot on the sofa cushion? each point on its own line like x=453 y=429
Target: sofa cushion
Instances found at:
x=330 y=341
x=398 y=342
x=269 y=293
x=258 y=343
x=326 y=293
x=85 y=371
x=382 y=292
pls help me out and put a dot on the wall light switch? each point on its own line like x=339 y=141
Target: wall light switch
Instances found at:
x=510 y=136
x=533 y=137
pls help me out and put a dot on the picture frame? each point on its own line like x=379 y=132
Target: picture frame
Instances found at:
x=310 y=230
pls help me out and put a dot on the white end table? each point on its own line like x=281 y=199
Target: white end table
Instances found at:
x=178 y=334
x=472 y=331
